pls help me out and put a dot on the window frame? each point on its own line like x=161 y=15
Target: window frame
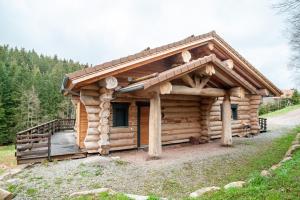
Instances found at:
x=234 y=114
x=121 y=106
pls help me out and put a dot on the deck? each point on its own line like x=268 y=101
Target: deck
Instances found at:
x=54 y=140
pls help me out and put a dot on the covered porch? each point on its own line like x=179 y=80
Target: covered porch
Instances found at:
x=200 y=83
x=54 y=140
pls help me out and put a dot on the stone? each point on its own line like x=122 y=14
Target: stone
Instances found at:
x=92 y=192
x=288 y=153
x=115 y=157
x=95 y=160
x=5 y=195
x=14 y=181
x=286 y=159
x=204 y=190
x=295 y=142
x=237 y=184
x=14 y=171
x=295 y=147
x=274 y=167
x=140 y=197
x=265 y=173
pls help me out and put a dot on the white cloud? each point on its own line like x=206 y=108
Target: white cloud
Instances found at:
x=95 y=31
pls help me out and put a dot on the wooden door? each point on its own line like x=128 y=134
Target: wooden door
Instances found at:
x=144 y=125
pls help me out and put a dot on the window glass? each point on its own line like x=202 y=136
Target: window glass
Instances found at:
x=120 y=114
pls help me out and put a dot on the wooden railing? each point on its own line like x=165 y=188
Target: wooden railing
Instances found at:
x=36 y=141
x=263 y=124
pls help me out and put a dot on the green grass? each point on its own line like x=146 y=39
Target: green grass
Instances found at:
x=284 y=183
x=102 y=196
x=31 y=192
x=281 y=111
x=233 y=170
x=7 y=157
x=107 y=196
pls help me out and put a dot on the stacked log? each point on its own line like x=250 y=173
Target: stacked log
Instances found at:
x=89 y=96
x=206 y=107
x=104 y=115
x=125 y=137
x=255 y=101
x=180 y=120
x=237 y=125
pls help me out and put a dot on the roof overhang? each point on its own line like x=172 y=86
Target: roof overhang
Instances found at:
x=189 y=67
x=89 y=75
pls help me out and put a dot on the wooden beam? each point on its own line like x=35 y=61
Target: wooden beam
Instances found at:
x=155 y=127
x=226 y=138
x=142 y=78
x=109 y=83
x=224 y=78
x=228 y=63
x=208 y=70
x=203 y=82
x=165 y=88
x=183 y=57
x=188 y=80
x=179 y=59
x=168 y=88
x=263 y=92
x=237 y=92
x=209 y=92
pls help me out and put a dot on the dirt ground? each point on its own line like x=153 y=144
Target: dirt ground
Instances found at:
x=181 y=170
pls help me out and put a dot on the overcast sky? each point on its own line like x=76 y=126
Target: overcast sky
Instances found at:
x=97 y=31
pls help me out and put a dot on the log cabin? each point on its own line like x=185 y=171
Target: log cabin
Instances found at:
x=196 y=89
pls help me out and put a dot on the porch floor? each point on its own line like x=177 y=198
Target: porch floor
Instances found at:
x=64 y=142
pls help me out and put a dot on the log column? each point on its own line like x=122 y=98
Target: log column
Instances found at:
x=226 y=138
x=107 y=88
x=255 y=101
x=155 y=127
x=104 y=128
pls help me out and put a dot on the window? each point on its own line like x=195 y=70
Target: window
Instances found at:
x=120 y=114
x=234 y=111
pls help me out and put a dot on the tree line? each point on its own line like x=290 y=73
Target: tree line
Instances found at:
x=30 y=90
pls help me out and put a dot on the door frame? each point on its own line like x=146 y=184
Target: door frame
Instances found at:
x=139 y=105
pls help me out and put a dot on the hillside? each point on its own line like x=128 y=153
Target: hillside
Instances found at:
x=30 y=90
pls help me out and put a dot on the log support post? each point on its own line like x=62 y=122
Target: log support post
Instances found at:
x=104 y=128
x=155 y=127
x=107 y=88
x=226 y=138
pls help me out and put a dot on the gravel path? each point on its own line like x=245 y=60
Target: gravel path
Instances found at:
x=180 y=171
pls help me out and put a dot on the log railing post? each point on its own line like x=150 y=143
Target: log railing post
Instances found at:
x=155 y=127
x=226 y=138
x=49 y=147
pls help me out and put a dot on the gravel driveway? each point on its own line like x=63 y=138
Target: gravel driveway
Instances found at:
x=185 y=166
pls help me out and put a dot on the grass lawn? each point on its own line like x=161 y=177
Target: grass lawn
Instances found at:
x=284 y=183
x=281 y=111
x=246 y=168
x=7 y=157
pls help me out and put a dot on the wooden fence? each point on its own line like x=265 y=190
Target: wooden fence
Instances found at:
x=263 y=124
x=35 y=142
